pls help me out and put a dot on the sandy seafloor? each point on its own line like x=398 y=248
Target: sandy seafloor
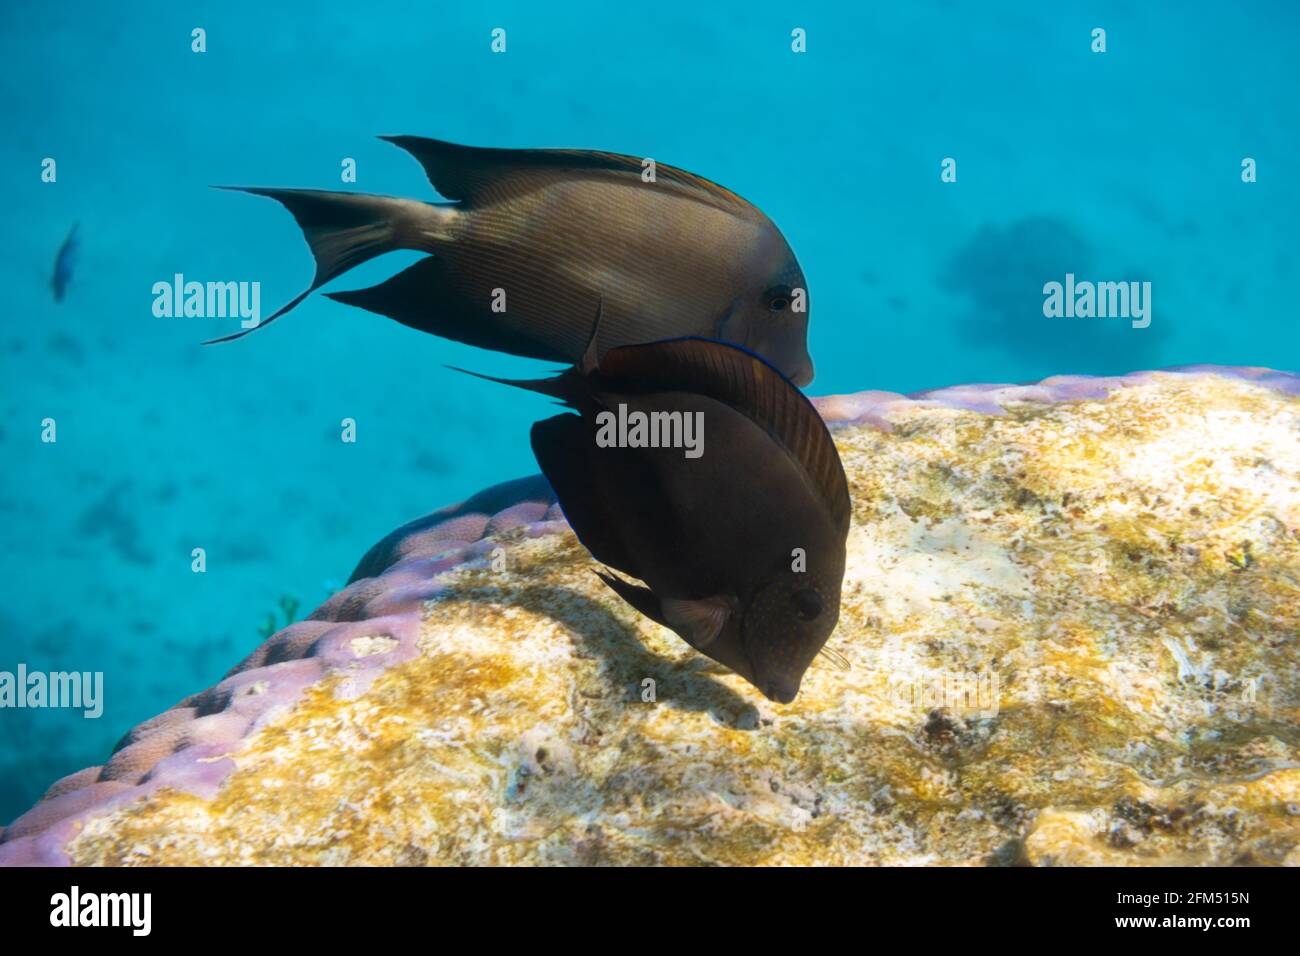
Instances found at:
x=1123 y=165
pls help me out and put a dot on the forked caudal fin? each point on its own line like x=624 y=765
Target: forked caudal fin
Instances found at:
x=347 y=229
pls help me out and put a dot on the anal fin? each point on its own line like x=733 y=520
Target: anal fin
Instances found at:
x=423 y=296
x=639 y=596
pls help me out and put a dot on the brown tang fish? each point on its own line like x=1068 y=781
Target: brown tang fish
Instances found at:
x=741 y=548
x=534 y=235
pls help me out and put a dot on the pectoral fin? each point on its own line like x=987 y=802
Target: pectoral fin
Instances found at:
x=729 y=326
x=699 y=621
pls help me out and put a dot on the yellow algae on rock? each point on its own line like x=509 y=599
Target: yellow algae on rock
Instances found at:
x=1071 y=632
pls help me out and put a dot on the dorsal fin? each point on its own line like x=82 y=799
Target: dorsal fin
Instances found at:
x=747 y=382
x=467 y=173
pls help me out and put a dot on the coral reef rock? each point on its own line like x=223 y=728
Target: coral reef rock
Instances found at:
x=1070 y=620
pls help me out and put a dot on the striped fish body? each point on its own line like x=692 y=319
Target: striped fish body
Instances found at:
x=533 y=239
x=742 y=548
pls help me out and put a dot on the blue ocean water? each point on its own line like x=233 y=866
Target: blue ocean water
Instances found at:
x=1122 y=165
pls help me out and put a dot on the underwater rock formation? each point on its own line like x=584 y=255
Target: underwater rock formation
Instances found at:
x=1071 y=616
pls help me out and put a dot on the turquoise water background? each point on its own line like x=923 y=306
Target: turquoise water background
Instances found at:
x=1117 y=165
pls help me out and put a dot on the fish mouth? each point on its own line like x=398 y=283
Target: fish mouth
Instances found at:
x=803 y=375
x=781 y=691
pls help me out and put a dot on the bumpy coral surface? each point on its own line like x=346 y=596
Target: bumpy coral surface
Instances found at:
x=1070 y=620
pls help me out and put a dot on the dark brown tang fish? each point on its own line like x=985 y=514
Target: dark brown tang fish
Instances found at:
x=741 y=549
x=538 y=235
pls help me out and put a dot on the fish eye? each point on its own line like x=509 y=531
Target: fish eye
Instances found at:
x=807 y=603
x=778 y=298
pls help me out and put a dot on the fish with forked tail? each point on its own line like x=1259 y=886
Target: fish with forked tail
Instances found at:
x=533 y=236
x=742 y=549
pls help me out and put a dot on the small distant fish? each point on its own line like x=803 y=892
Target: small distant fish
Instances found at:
x=555 y=230
x=64 y=264
x=716 y=540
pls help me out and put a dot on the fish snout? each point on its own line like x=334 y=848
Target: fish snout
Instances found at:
x=781 y=690
x=803 y=374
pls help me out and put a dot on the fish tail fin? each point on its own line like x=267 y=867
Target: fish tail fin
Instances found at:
x=347 y=229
